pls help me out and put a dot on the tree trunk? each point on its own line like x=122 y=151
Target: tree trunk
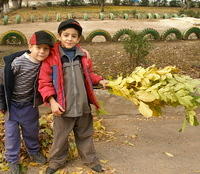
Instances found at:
x=188 y=3
x=102 y=3
x=15 y=3
x=19 y=3
x=6 y=8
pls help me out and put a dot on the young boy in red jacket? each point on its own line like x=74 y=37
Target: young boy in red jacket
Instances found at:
x=65 y=82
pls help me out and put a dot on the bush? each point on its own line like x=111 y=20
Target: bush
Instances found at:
x=85 y=16
x=45 y=18
x=116 y=2
x=125 y=16
x=5 y=20
x=144 y=2
x=18 y=19
x=101 y=16
x=175 y=3
x=58 y=17
x=76 y=2
x=49 y=4
x=137 y=47
x=190 y=13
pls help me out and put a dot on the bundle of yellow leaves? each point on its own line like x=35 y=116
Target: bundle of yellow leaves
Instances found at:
x=152 y=88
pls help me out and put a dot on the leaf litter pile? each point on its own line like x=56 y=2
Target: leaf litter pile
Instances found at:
x=46 y=137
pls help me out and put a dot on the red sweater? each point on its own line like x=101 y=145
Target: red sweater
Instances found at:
x=51 y=78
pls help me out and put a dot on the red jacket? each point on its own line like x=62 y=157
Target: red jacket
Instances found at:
x=51 y=78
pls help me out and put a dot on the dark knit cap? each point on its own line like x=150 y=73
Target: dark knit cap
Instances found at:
x=41 y=37
x=70 y=23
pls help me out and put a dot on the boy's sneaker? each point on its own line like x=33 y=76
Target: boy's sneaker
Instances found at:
x=97 y=168
x=38 y=158
x=14 y=168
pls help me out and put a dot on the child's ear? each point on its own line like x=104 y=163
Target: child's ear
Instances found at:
x=79 y=39
x=58 y=36
x=30 y=47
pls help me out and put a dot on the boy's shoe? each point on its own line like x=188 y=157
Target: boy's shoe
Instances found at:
x=50 y=170
x=38 y=158
x=97 y=168
x=14 y=168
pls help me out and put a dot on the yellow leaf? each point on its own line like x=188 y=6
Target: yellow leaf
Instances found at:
x=145 y=110
x=104 y=161
x=169 y=154
x=145 y=96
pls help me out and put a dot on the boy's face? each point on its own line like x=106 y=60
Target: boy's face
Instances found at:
x=69 y=38
x=39 y=52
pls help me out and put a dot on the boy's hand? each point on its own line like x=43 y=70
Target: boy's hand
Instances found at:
x=56 y=108
x=103 y=83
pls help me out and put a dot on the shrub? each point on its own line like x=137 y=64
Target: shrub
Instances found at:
x=85 y=16
x=125 y=16
x=111 y=16
x=18 y=19
x=58 y=17
x=175 y=3
x=75 y=2
x=49 y=4
x=156 y=16
x=166 y=16
x=45 y=18
x=101 y=16
x=149 y=16
x=137 y=47
x=174 y=15
x=138 y=15
x=116 y=2
x=69 y=16
x=190 y=13
x=5 y=20
x=144 y=2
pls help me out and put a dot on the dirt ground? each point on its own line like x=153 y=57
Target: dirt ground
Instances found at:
x=138 y=145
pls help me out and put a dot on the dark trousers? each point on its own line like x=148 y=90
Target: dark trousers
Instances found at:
x=22 y=120
x=83 y=132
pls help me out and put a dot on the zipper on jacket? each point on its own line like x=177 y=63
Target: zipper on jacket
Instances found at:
x=74 y=84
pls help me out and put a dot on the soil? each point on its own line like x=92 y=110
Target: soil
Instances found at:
x=137 y=145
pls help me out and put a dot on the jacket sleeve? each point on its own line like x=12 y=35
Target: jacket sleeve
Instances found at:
x=45 y=81
x=2 y=93
x=94 y=77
